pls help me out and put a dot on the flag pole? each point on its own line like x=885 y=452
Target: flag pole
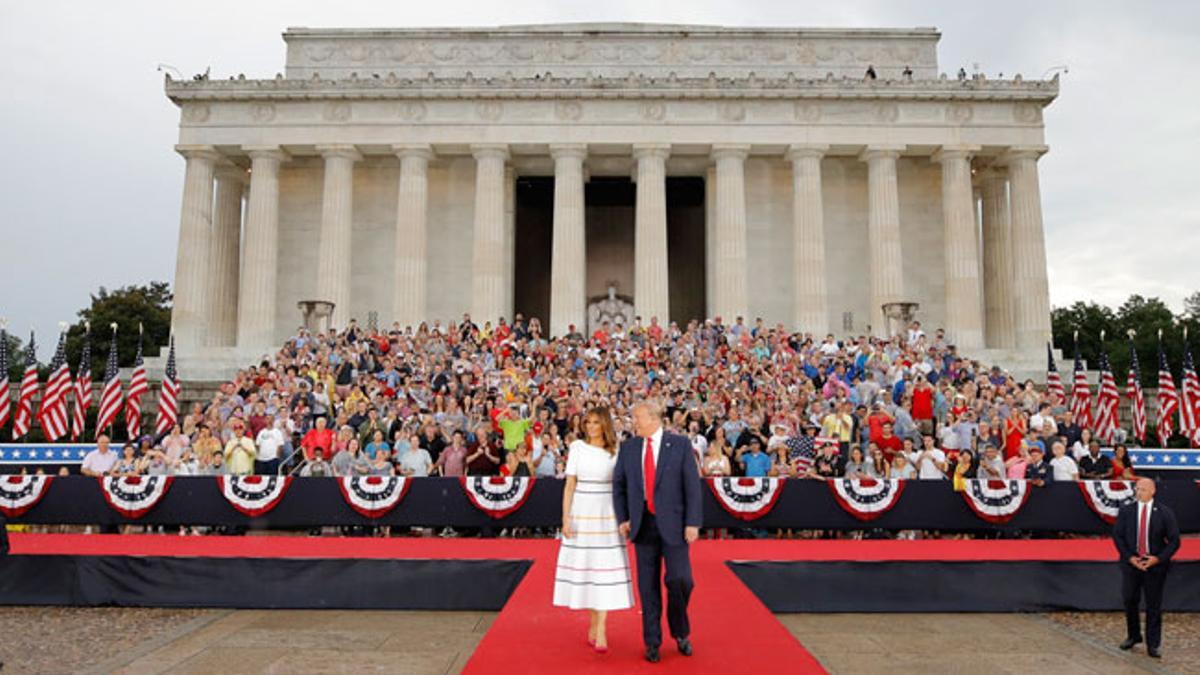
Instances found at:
x=113 y=326
x=87 y=339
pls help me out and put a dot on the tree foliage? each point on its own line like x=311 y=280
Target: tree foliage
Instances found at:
x=1144 y=316
x=17 y=355
x=149 y=305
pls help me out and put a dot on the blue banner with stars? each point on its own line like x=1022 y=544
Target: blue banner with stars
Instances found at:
x=1156 y=459
x=44 y=453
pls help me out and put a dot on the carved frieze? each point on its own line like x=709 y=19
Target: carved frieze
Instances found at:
x=617 y=48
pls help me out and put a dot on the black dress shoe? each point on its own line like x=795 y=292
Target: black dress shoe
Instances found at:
x=1129 y=643
x=685 y=646
x=652 y=654
x=1153 y=652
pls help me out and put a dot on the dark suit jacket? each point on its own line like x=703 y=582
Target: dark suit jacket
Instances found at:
x=676 y=487
x=1164 y=532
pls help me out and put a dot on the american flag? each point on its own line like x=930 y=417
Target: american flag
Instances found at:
x=83 y=388
x=1054 y=383
x=29 y=389
x=1133 y=389
x=138 y=386
x=1107 y=400
x=53 y=413
x=1189 y=399
x=168 y=396
x=801 y=450
x=5 y=395
x=1081 y=394
x=110 y=397
x=1168 y=399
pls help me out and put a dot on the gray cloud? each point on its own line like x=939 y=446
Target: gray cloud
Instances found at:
x=92 y=185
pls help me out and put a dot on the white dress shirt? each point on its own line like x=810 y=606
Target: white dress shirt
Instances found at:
x=656 y=437
x=1148 y=508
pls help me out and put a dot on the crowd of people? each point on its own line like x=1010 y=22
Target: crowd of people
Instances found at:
x=503 y=398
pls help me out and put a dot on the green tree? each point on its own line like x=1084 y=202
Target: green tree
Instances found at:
x=1191 y=306
x=149 y=305
x=1089 y=319
x=1146 y=317
x=17 y=354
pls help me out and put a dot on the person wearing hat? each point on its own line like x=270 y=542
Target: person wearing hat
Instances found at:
x=755 y=463
x=1038 y=471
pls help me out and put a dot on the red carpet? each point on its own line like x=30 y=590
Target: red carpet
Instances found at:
x=732 y=631
x=526 y=549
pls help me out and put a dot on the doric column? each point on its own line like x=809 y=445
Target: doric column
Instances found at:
x=510 y=244
x=999 y=330
x=730 y=299
x=651 y=290
x=487 y=259
x=964 y=309
x=337 y=210
x=568 y=248
x=1031 y=288
x=810 y=304
x=260 y=257
x=883 y=232
x=189 y=310
x=225 y=257
x=409 y=280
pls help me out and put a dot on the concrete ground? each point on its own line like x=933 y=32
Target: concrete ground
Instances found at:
x=114 y=640
x=245 y=641
x=1026 y=644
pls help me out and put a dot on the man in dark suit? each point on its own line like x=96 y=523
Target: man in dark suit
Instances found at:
x=1146 y=535
x=661 y=521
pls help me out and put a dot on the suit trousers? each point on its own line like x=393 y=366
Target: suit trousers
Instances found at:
x=1134 y=584
x=651 y=553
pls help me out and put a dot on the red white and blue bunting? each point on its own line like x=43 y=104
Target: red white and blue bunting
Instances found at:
x=994 y=500
x=373 y=496
x=1106 y=497
x=18 y=494
x=134 y=496
x=253 y=495
x=497 y=496
x=866 y=498
x=747 y=498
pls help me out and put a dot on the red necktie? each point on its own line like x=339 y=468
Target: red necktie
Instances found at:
x=648 y=473
x=1142 y=530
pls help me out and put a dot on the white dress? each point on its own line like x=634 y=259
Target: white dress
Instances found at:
x=593 y=565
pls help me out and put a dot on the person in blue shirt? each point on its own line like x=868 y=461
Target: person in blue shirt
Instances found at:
x=755 y=463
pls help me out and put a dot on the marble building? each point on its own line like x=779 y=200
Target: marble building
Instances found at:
x=401 y=175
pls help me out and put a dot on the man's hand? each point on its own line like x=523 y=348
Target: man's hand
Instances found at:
x=1150 y=561
x=623 y=528
x=691 y=534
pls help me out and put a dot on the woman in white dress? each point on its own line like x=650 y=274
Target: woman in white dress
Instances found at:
x=593 y=565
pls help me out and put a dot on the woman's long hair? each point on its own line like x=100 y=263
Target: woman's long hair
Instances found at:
x=602 y=415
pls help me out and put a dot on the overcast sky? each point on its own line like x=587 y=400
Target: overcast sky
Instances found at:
x=91 y=185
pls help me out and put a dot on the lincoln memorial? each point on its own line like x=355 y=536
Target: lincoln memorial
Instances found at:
x=409 y=175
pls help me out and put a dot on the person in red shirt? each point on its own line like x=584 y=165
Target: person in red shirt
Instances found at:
x=655 y=331
x=317 y=437
x=888 y=442
x=876 y=420
x=600 y=336
x=922 y=406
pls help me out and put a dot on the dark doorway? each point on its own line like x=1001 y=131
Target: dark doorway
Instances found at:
x=686 y=248
x=609 y=219
x=535 y=227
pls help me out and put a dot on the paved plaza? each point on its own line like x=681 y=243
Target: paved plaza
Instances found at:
x=115 y=640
